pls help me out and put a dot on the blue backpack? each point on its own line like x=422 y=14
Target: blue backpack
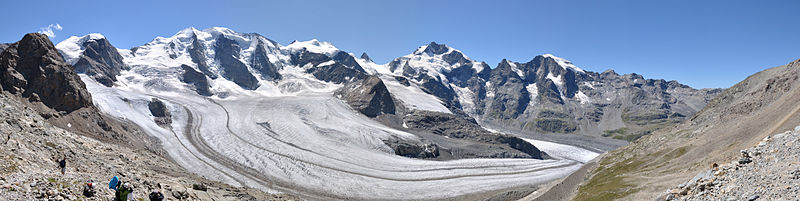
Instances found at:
x=113 y=183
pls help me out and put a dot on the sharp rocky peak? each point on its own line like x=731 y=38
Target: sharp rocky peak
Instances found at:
x=433 y=48
x=365 y=57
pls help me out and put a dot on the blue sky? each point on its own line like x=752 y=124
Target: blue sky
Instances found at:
x=700 y=43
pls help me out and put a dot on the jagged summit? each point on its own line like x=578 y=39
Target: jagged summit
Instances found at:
x=72 y=47
x=365 y=57
x=433 y=48
x=563 y=62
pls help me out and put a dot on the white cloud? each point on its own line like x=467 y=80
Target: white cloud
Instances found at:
x=50 y=30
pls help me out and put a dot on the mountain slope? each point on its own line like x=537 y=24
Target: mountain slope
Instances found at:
x=48 y=115
x=741 y=116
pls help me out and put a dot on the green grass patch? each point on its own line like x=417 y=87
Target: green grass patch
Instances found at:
x=608 y=182
x=619 y=131
x=675 y=153
x=50 y=144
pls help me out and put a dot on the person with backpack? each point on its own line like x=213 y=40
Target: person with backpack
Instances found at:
x=156 y=195
x=124 y=192
x=88 y=189
x=63 y=165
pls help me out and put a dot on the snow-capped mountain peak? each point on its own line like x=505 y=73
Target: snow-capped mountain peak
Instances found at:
x=433 y=59
x=72 y=48
x=434 y=48
x=314 y=46
x=564 y=63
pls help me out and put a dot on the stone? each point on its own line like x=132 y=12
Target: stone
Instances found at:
x=745 y=160
x=34 y=66
x=369 y=96
x=200 y=187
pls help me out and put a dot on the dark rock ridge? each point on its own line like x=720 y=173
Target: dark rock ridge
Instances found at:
x=33 y=68
x=364 y=56
x=227 y=53
x=199 y=58
x=457 y=127
x=261 y=63
x=344 y=67
x=101 y=61
x=370 y=97
x=196 y=79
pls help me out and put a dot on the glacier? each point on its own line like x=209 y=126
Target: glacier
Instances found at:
x=293 y=135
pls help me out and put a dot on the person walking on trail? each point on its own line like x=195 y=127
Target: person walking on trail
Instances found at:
x=63 y=165
x=124 y=192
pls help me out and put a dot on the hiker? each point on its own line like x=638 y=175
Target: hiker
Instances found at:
x=88 y=189
x=156 y=195
x=124 y=192
x=63 y=165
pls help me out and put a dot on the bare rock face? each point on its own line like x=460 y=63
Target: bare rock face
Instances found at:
x=227 y=53
x=101 y=61
x=32 y=67
x=342 y=68
x=197 y=79
x=370 y=97
x=364 y=56
x=3 y=46
x=413 y=150
x=261 y=63
x=160 y=112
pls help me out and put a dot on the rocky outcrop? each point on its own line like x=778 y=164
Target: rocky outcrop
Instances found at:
x=342 y=68
x=199 y=57
x=370 y=97
x=261 y=63
x=196 y=79
x=227 y=53
x=34 y=69
x=3 y=46
x=457 y=127
x=101 y=61
x=364 y=56
x=161 y=114
x=412 y=150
